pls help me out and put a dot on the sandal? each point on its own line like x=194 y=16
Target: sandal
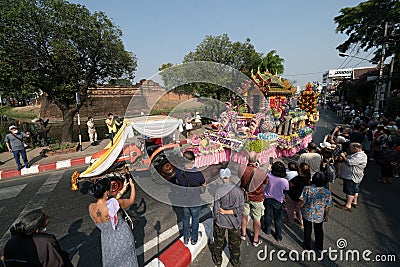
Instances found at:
x=243 y=237
x=257 y=243
x=343 y=207
x=381 y=181
x=354 y=205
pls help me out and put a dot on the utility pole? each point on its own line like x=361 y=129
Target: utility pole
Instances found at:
x=381 y=66
x=78 y=105
x=389 y=88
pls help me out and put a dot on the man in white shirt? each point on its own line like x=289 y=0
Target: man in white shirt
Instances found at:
x=312 y=158
x=352 y=172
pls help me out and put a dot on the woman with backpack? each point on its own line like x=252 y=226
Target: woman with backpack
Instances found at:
x=296 y=186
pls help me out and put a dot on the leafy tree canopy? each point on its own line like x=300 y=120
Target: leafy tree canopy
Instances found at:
x=165 y=65
x=220 y=49
x=272 y=62
x=59 y=48
x=364 y=25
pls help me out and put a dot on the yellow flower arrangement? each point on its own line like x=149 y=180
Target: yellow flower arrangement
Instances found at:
x=74 y=177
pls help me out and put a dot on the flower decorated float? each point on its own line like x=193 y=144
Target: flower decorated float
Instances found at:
x=271 y=128
x=309 y=102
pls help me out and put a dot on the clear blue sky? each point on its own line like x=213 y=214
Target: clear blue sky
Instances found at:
x=301 y=31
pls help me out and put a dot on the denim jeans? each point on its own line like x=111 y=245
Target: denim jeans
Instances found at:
x=192 y=232
x=111 y=136
x=273 y=208
x=24 y=158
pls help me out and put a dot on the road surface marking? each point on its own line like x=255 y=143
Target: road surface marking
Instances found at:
x=11 y=191
x=37 y=201
x=165 y=235
x=50 y=184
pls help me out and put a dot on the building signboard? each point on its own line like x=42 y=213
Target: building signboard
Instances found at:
x=342 y=73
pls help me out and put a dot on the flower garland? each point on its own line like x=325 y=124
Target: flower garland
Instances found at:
x=303 y=132
x=288 y=142
x=225 y=142
x=209 y=147
x=309 y=99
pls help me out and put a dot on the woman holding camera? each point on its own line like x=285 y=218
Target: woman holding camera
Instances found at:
x=117 y=240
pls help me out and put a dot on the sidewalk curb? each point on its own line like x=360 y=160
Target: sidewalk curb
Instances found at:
x=181 y=255
x=34 y=169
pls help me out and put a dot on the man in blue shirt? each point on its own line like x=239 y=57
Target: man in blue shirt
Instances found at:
x=191 y=177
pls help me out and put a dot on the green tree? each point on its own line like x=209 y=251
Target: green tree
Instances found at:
x=61 y=49
x=364 y=25
x=165 y=65
x=272 y=62
x=220 y=49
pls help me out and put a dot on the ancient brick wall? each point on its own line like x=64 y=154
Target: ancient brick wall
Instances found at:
x=149 y=95
x=97 y=107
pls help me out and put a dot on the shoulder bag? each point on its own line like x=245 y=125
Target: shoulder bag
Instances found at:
x=131 y=218
x=246 y=188
x=23 y=142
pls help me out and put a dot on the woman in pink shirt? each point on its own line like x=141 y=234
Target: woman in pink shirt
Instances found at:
x=274 y=194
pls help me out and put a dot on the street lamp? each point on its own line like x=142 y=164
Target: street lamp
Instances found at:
x=347 y=55
x=379 y=86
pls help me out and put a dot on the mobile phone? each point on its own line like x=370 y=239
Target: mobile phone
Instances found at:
x=271 y=160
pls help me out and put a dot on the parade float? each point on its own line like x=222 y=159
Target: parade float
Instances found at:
x=273 y=128
x=127 y=153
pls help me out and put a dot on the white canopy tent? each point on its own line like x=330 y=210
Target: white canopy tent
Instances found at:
x=151 y=126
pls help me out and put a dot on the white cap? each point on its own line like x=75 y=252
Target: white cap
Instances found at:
x=12 y=127
x=325 y=145
x=341 y=139
x=225 y=173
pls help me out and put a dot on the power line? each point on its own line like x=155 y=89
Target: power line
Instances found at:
x=365 y=57
x=347 y=58
x=302 y=74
